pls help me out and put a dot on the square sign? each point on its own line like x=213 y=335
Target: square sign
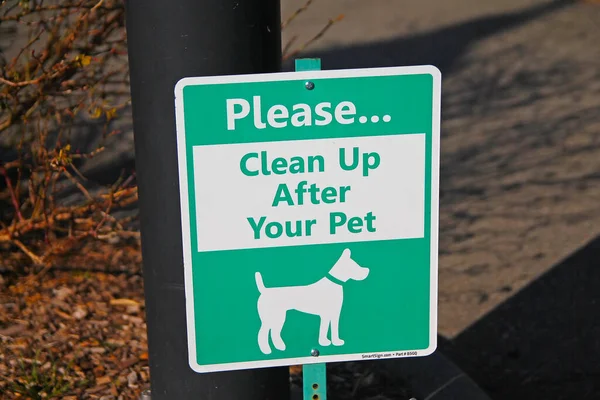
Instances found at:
x=309 y=210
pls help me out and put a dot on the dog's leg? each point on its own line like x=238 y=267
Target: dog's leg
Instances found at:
x=323 y=328
x=335 y=333
x=265 y=325
x=263 y=339
x=276 y=326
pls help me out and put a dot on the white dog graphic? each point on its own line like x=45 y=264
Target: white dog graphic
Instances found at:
x=323 y=298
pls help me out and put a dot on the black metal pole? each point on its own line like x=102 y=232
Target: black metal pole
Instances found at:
x=169 y=40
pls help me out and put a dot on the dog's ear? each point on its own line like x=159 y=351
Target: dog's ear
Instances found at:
x=346 y=253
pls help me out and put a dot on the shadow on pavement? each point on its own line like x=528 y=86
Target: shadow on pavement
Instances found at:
x=544 y=342
x=440 y=47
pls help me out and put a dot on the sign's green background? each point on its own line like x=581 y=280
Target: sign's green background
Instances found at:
x=388 y=311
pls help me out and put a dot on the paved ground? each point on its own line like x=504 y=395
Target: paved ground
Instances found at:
x=368 y=22
x=520 y=181
x=543 y=342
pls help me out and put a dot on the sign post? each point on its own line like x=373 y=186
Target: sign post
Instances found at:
x=314 y=376
x=309 y=216
x=169 y=40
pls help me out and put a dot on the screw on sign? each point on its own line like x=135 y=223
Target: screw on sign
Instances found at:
x=309 y=199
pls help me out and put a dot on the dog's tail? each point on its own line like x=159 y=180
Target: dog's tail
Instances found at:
x=259 y=282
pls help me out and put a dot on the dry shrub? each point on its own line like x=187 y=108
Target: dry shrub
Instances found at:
x=70 y=70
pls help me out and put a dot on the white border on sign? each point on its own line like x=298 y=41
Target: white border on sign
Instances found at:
x=185 y=215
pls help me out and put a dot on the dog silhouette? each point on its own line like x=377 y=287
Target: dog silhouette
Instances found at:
x=323 y=298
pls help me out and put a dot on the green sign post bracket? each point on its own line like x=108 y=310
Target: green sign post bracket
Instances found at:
x=314 y=376
x=309 y=216
x=314 y=381
x=308 y=64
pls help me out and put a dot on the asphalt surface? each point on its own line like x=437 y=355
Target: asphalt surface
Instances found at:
x=520 y=132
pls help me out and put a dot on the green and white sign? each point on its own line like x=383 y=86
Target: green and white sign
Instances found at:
x=309 y=204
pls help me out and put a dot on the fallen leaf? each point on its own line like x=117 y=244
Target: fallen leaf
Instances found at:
x=124 y=302
x=103 y=380
x=132 y=379
x=62 y=292
x=128 y=363
x=13 y=330
x=63 y=314
x=80 y=312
